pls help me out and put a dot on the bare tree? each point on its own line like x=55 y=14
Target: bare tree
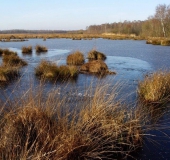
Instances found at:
x=161 y=14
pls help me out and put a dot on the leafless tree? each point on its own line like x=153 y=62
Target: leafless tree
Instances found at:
x=162 y=15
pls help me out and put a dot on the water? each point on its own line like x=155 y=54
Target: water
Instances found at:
x=132 y=60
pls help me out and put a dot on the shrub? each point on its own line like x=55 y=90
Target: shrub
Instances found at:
x=13 y=60
x=165 y=42
x=40 y=49
x=95 y=55
x=27 y=49
x=8 y=73
x=76 y=58
x=49 y=70
x=155 y=88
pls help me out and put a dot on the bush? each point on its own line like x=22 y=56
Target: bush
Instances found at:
x=40 y=49
x=76 y=58
x=155 y=88
x=49 y=70
x=27 y=49
x=8 y=73
x=95 y=55
x=13 y=60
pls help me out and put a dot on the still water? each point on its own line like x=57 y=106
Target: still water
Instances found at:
x=131 y=60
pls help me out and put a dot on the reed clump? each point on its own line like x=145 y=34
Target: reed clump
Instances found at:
x=27 y=50
x=76 y=58
x=155 y=88
x=49 y=70
x=13 y=60
x=8 y=73
x=40 y=49
x=96 y=55
x=38 y=127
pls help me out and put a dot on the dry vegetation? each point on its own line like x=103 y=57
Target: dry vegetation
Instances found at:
x=13 y=60
x=38 y=127
x=96 y=55
x=27 y=50
x=96 y=67
x=40 y=49
x=49 y=70
x=76 y=58
x=155 y=88
x=8 y=73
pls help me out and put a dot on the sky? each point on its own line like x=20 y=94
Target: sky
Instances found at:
x=72 y=14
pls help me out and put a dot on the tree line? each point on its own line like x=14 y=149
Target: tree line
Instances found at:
x=157 y=25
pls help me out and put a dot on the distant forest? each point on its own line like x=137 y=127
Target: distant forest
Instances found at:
x=157 y=25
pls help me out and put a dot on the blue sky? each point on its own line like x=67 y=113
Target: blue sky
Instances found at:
x=72 y=14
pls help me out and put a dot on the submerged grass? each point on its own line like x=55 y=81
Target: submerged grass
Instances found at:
x=155 y=88
x=50 y=126
x=76 y=58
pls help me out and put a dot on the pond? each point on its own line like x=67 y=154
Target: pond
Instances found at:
x=131 y=60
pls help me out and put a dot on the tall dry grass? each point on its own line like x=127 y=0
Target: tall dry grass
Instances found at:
x=40 y=49
x=13 y=60
x=155 y=88
x=76 y=58
x=27 y=50
x=57 y=126
x=96 y=55
x=49 y=70
x=8 y=73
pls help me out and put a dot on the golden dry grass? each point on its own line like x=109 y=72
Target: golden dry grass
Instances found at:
x=27 y=50
x=49 y=70
x=76 y=58
x=155 y=88
x=8 y=73
x=96 y=55
x=46 y=126
x=13 y=60
x=40 y=49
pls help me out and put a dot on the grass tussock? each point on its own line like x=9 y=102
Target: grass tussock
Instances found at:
x=8 y=73
x=27 y=50
x=96 y=67
x=49 y=70
x=13 y=60
x=155 y=88
x=38 y=127
x=40 y=49
x=76 y=58
x=95 y=55
x=7 y=52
